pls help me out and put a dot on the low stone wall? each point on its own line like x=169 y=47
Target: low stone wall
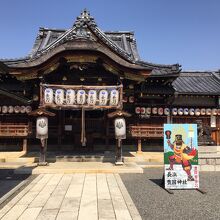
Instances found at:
x=209 y=158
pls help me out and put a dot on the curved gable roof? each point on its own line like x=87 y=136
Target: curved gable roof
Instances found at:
x=122 y=44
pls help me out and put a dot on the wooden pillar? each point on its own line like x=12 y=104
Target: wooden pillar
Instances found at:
x=24 y=145
x=139 y=146
x=119 y=159
x=59 y=129
x=83 y=129
x=218 y=136
x=169 y=118
x=106 y=132
x=43 y=152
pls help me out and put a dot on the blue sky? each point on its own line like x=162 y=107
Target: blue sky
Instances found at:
x=167 y=31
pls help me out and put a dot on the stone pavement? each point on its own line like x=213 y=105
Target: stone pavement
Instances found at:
x=72 y=196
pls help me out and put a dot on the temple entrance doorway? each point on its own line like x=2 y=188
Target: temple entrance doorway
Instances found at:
x=65 y=131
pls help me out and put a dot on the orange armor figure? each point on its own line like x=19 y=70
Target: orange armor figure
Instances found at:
x=182 y=155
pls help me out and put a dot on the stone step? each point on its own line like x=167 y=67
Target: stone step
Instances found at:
x=21 y=159
x=86 y=167
x=209 y=149
x=83 y=158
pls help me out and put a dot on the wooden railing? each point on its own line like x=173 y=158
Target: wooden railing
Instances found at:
x=146 y=131
x=14 y=130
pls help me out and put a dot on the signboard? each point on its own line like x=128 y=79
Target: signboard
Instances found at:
x=181 y=156
x=76 y=97
x=68 y=127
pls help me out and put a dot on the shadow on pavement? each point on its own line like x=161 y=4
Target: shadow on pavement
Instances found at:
x=158 y=182
x=9 y=180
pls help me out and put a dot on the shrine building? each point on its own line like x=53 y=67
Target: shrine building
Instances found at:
x=83 y=74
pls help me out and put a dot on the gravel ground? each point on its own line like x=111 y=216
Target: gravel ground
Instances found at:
x=153 y=202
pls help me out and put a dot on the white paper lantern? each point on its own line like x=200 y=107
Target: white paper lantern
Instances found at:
x=59 y=96
x=174 y=111
x=160 y=111
x=154 y=111
x=22 y=109
x=180 y=111
x=120 y=128
x=114 y=97
x=28 y=109
x=4 y=109
x=214 y=111
x=203 y=111
x=143 y=110
x=42 y=126
x=92 y=97
x=191 y=111
x=131 y=99
x=218 y=111
x=185 y=111
x=208 y=111
x=197 y=112
x=103 y=97
x=17 y=109
x=125 y=99
x=10 y=109
x=166 y=111
x=70 y=96
x=48 y=96
x=137 y=110
x=81 y=97
x=148 y=110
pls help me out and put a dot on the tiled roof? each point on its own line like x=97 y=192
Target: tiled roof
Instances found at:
x=198 y=83
x=12 y=95
x=124 y=40
x=122 y=43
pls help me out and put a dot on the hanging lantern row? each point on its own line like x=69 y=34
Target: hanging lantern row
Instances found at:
x=129 y=99
x=177 y=111
x=15 y=109
x=81 y=97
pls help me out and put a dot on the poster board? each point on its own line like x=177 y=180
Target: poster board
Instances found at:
x=181 y=156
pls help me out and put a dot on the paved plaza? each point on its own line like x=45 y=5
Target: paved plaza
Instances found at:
x=111 y=196
x=72 y=196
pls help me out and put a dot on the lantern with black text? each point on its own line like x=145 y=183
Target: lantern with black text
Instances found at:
x=4 y=109
x=103 y=97
x=10 y=109
x=28 y=109
x=23 y=109
x=48 y=96
x=92 y=97
x=59 y=96
x=120 y=128
x=114 y=97
x=81 y=97
x=42 y=128
x=70 y=97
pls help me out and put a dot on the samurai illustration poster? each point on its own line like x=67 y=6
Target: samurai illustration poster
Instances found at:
x=181 y=156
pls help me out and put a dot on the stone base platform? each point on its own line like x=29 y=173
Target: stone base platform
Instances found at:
x=209 y=162
x=76 y=167
x=209 y=158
